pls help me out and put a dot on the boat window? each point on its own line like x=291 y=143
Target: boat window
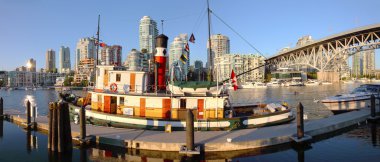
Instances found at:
x=183 y=103
x=118 y=77
x=121 y=100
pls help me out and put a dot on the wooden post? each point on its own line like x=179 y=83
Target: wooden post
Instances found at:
x=28 y=114
x=373 y=106
x=1 y=108
x=50 y=122
x=190 y=130
x=66 y=126
x=60 y=128
x=300 y=126
x=82 y=118
x=54 y=128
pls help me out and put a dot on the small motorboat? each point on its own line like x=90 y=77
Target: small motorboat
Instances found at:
x=359 y=98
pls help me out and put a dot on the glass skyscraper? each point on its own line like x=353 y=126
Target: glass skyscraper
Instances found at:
x=147 y=34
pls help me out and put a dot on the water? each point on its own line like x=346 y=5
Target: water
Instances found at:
x=358 y=144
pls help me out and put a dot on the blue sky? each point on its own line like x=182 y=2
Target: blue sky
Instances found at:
x=29 y=27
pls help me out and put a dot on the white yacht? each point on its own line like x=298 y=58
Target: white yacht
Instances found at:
x=326 y=83
x=259 y=85
x=359 y=98
x=274 y=84
x=311 y=83
x=246 y=85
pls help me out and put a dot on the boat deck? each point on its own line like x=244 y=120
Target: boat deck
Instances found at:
x=210 y=140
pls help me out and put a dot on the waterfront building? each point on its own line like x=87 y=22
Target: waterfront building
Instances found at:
x=3 y=78
x=239 y=63
x=50 y=61
x=147 y=34
x=363 y=63
x=111 y=55
x=31 y=65
x=177 y=49
x=64 y=60
x=31 y=79
x=220 y=45
x=85 y=71
x=288 y=74
x=134 y=60
x=86 y=49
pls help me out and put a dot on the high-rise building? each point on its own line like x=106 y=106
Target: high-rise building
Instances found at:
x=50 y=61
x=220 y=45
x=64 y=60
x=363 y=63
x=177 y=49
x=133 y=61
x=111 y=55
x=31 y=65
x=147 y=34
x=239 y=63
x=86 y=49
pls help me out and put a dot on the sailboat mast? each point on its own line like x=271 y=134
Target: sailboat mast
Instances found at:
x=97 y=52
x=97 y=40
x=211 y=61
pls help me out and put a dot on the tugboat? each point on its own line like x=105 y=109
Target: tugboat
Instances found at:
x=144 y=100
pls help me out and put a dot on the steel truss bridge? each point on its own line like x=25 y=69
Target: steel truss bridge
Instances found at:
x=327 y=54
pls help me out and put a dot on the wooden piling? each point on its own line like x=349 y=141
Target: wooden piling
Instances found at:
x=82 y=118
x=67 y=140
x=373 y=106
x=300 y=124
x=50 y=122
x=54 y=129
x=60 y=128
x=28 y=109
x=1 y=108
x=190 y=131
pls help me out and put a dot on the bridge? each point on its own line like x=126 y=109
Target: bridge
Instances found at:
x=328 y=53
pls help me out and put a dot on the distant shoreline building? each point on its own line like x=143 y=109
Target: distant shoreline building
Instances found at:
x=220 y=45
x=239 y=63
x=363 y=63
x=64 y=60
x=111 y=55
x=177 y=48
x=31 y=65
x=147 y=34
x=50 y=61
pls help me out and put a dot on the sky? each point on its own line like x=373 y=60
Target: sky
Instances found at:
x=28 y=28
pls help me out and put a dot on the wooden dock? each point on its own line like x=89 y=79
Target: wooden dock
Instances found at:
x=210 y=141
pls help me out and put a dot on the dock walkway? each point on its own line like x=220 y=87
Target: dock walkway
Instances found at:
x=209 y=140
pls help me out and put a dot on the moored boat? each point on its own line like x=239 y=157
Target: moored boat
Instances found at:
x=359 y=98
x=142 y=99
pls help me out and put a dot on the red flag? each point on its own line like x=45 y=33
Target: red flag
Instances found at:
x=102 y=44
x=192 y=38
x=187 y=49
x=233 y=80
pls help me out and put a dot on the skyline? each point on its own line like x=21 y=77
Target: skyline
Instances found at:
x=41 y=25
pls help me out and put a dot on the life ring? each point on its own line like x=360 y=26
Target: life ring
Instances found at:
x=113 y=87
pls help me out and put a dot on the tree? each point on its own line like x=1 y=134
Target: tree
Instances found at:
x=84 y=83
x=1 y=83
x=68 y=80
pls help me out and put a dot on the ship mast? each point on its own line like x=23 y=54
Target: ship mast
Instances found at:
x=209 y=42
x=97 y=49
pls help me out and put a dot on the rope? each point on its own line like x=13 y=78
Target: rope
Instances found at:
x=237 y=34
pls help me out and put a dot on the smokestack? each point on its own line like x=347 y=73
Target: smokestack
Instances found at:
x=160 y=58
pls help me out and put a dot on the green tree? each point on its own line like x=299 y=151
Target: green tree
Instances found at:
x=84 y=83
x=68 y=80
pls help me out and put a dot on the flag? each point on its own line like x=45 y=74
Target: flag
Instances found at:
x=102 y=44
x=187 y=49
x=233 y=80
x=184 y=58
x=192 y=38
